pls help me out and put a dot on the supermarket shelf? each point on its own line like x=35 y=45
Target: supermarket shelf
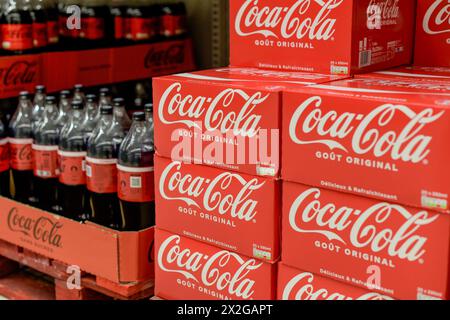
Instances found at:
x=22 y=285
x=91 y=287
x=61 y=70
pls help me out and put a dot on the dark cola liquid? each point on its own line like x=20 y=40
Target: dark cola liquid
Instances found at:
x=45 y=159
x=96 y=26
x=52 y=26
x=142 y=23
x=22 y=185
x=136 y=177
x=73 y=197
x=39 y=26
x=137 y=216
x=17 y=32
x=4 y=162
x=102 y=149
x=118 y=16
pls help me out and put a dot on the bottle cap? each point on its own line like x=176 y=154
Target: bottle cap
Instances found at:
x=139 y=116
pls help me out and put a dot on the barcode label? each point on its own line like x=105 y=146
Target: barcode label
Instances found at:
x=365 y=58
x=135 y=182
x=88 y=171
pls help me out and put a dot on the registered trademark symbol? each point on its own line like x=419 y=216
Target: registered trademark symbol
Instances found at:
x=425 y=162
x=421 y=261
x=254 y=220
x=332 y=38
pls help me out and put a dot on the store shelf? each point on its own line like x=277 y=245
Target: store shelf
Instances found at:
x=61 y=70
x=117 y=264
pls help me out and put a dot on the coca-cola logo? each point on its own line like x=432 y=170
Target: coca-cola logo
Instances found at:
x=437 y=18
x=213 y=195
x=372 y=228
x=365 y=130
x=223 y=270
x=19 y=73
x=295 y=21
x=173 y=55
x=42 y=229
x=188 y=109
x=382 y=12
x=301 y=287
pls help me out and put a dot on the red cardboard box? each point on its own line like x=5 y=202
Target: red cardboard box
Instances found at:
x=227 y=118
x=190 y=270
x=433 y=33
x=371 y=137
x=294 y=284
x=398 y=251
x=332 y=36
x=412 y=73
x=121 y=257
x=234 y=211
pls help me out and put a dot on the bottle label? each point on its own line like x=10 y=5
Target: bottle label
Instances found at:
x=92 y=28
x=21 y=154
x=118 y=28
x=143 y=28
x=45 y=161
x=172 y=25
x=101 y=175
x=17 y=36
x=136 y=184
x=4 y=155
x=39 y=35
x=52 y=32
x=73 y=168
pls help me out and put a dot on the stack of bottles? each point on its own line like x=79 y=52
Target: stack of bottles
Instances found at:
x=31 y=26
x=80 y=156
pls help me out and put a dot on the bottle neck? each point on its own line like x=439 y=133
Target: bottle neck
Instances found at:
x=39 y=99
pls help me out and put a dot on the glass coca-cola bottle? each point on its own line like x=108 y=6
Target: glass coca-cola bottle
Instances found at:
x=4 y=161
x=16 y=28
x=96 y=27
x=52 y=22
x=20 y=142
x=45 y=157
x=118 y=12
x=64 y=107
x=38 y=105
x=101 y=169
x=120 y=114
x=72 y=154
x=173 y=20
x=78 y=93
x=136 y=177
x=39 y=17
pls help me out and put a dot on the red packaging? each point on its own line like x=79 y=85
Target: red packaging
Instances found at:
x=190 y=270
x=40 y=34
x=230 y=210
x=433 y=33
x=228 y=118
x=332 y=36
x=135 y=184
x=412 y=73
x=295 y=284
x=21 y=154
x=45 y=161
x=17 y=37
x=371 y=137
x=399 y=251
x=73 y=167
x=92 y=28
x=101 y=175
